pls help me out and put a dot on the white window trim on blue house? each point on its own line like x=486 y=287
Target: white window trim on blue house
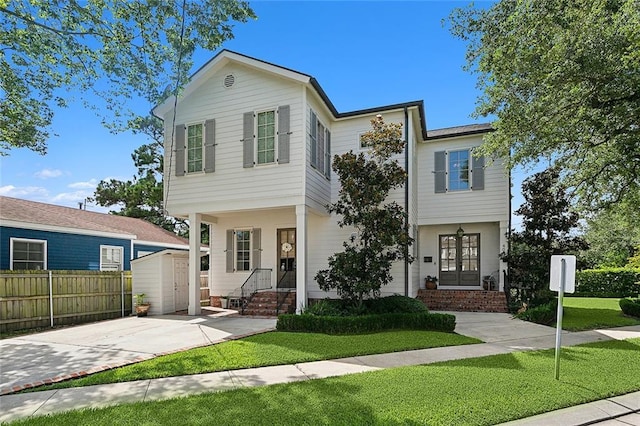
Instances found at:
x=12 y=259
x=105 y=265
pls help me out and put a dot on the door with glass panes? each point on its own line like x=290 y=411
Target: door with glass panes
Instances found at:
x=460 y=260
x=286 y=258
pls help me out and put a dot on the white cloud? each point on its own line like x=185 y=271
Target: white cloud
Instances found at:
x=48 y=173
x=90 y=184
x=34 y=193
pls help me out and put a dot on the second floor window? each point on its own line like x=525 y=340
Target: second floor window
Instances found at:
x=266 y=131
x=459 y=170
x=194 y=148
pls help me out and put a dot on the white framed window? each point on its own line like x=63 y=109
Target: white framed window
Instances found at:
x=266 y=137
x=28 y=254
x=458 y=171
x=319 y=145
x=362 y=143
x=242 y=249
x=111 y=258
x=195 y=139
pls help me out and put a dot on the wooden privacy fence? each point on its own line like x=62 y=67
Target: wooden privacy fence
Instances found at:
x=32 y=299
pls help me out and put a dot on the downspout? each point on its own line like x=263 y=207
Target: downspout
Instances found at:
x=406 y=200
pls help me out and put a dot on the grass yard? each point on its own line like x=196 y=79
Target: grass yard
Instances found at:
x=477 y=391
x=274 y=348
x=588 y=313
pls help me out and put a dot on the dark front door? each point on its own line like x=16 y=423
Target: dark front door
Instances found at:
x=286 y=258
x=460 y=260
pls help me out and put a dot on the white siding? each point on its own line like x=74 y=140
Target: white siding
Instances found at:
x=231 y=185
x=147 y=277
x=489 y=204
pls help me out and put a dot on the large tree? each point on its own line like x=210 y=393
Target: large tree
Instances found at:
x=548 y=228
x=562 y=79
x=380 y=236
x=109 y=50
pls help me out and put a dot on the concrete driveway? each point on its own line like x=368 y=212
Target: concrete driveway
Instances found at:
x=84 y=349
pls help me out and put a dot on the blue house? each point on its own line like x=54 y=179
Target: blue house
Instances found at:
x=49 y=237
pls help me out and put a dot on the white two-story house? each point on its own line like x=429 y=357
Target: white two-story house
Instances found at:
x=248 y=150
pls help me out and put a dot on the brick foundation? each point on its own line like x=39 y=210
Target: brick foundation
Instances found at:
x=464 y=300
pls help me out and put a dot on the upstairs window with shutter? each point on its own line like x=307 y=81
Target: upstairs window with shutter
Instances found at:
x=266 y=137
x=195 y=148
x=319 y=146
x=458 y=170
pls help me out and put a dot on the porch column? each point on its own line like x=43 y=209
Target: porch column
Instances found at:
x=194 y=263
x=301 y=258
x=504 y=245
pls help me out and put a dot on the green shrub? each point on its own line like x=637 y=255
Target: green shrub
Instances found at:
x=608 y=282
x=630 y=307
x=366 y=323
x=542 y=314
x=383 y=305
x=394 y=304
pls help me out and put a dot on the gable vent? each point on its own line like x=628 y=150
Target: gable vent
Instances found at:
x=229 y=80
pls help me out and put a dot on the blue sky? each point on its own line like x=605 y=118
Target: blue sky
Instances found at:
x=363 y=53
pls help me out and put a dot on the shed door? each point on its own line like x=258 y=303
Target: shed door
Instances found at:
x=181 y=284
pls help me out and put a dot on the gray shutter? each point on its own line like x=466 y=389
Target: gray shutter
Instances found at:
x=320 y=148
x=440 y=172
x=257 y=248
x=229 y=251
x=477 y=173
x=313 y=131
x=247 y=140
x=283 y=134
x=179 y=134
x=210 y=146
x=327 y=166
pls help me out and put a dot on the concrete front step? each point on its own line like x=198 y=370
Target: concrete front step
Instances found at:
x=464 y=300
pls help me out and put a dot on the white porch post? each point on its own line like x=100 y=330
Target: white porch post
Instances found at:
x=504 y=245
x=301 y=258
x=194 y=263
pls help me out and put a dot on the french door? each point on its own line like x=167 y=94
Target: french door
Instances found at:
x=286 y=258
x=460 y=260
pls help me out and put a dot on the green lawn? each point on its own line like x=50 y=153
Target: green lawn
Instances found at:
x=588 y=313
x=272 y=348
x=477 y=391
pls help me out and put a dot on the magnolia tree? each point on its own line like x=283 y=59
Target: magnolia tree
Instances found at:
x=380 y=227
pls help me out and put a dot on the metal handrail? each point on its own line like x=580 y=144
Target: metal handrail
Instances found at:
x=282 y=297
x=260 y=279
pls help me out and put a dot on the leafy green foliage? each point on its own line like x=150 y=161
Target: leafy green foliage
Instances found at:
x=612 y=235
x=608 y=282
x=113 y=50
x=382 y=305
x=548 y=225
x=366 y=323
x=381 y=236
x=562 y=78
x=630 y=307
x=542 y=314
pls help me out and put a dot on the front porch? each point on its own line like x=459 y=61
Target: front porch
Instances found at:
x=464 y=300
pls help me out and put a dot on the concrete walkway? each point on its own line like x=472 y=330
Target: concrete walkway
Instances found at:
x=501 y=333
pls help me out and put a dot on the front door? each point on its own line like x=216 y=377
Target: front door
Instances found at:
x=460 y=260
x=286 y=258
x=181 y=284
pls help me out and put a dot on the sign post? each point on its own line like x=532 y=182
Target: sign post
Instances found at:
x=563 y=280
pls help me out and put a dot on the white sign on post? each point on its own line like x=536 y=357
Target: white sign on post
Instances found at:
x=563 y=280
x=556 y=273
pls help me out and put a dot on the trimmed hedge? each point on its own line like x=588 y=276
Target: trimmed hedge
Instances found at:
x=630 y=307
x=382 y=305
x=366 y=323
x=608 y=282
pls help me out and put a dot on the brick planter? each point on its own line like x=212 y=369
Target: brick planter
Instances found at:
x=464 y=300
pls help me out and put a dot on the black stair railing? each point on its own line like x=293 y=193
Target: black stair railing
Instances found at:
x=283 y=288
x=260 y=279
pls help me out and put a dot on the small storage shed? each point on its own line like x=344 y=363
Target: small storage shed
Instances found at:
x=164 y=279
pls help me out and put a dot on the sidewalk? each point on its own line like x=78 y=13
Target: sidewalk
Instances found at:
x=501 y=334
